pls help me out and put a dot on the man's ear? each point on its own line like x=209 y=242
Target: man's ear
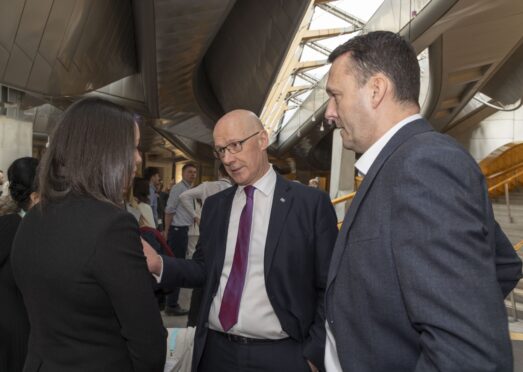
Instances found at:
x=263 y=139
x=379 y=86
x=35 y=198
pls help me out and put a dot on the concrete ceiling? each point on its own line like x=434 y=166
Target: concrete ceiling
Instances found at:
x=179 y=63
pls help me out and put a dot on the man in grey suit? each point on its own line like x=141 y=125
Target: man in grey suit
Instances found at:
x=420 y=268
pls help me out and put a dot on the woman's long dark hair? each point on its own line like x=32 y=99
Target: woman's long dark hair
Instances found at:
x=21 y=175
x=91 y=153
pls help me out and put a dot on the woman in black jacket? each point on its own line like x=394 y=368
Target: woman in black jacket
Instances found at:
x=77 y=257
x=14 y=325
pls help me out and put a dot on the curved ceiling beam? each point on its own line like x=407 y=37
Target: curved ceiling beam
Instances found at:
x=65 y=47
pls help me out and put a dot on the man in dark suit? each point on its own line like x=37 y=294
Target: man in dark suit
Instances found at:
x=262 y=259
x=412 y=284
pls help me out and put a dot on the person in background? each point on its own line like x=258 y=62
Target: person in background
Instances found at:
x=202 y=192
x=162 y=201
x=77 y=257
x=1 y=182
x=7 y=205
x=14 y=324
x=152 y=175
x=141 y=195
x=4 y=184
x=177 y=221
x=314 y=182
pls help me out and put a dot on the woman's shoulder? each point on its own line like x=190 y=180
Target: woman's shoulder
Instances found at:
x=8 y=224
x=88 y=208
x=10 y=219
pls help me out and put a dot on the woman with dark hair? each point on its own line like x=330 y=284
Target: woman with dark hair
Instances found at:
x=77 y=258
x=14 y=325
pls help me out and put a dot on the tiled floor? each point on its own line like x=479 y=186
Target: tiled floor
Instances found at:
x=179 y=321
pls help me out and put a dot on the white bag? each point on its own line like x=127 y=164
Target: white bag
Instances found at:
x=180 y=343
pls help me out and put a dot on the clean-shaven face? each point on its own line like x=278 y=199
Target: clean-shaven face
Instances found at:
x=349 y=105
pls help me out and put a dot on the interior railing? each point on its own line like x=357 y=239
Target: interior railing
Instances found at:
x=506 y=185
x=343 y=199
x=517 y=247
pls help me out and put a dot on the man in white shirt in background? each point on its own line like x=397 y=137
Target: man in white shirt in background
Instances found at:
x=177 y=221
x=189 y=199
x=204 y=190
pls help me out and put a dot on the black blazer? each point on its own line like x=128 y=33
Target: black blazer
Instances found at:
x=413 y=282
x=80 y=267
x=301 y=234
x=14 y=325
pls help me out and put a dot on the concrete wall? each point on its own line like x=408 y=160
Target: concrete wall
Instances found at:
x=16 y=141
x=493 y=132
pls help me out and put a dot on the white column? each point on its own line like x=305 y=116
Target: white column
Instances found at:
x=16 y=141
x=342 y=172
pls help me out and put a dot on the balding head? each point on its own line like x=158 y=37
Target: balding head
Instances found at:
x=240 y=120
x=242 y=129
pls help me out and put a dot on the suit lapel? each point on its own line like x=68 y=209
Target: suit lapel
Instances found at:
x=281 y=204
x=225 y=205
x=409 y=130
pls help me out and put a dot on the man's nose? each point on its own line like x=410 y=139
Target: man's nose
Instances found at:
x=330 y=111
x=227 y=157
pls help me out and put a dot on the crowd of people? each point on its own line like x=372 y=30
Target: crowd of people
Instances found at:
x=414 y=280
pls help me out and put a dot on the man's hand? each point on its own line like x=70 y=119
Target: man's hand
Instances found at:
x=154 y=262
x=197 y=220
x=312 y=366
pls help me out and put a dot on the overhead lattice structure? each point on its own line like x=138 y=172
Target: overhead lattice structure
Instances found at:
x=306 y=61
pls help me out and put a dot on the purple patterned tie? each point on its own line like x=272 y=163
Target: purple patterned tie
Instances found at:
x=233 y=290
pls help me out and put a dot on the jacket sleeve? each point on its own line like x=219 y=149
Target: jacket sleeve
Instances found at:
x=508 y=263
x=444 y=261
x=325 y=234
x=120 y=268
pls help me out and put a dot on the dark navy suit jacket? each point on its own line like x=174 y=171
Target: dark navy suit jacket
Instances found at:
x=300 y=238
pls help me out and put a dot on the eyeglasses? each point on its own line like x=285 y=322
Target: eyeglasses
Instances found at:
x=233 y=147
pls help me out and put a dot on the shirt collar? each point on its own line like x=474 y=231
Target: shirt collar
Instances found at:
x=186 y=184
x=365 y=161
x=266 y=184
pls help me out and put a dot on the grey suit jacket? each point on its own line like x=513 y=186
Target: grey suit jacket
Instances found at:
x=413 y=284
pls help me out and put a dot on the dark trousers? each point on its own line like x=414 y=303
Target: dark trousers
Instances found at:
x=177 y=238
x=223 y=355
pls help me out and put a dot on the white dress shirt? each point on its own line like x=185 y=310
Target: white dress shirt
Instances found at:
x=202 y=192
x=256 y=317
x=332 y=361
